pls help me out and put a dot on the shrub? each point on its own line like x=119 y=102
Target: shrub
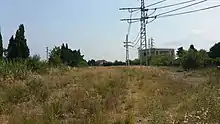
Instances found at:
x=161 y=60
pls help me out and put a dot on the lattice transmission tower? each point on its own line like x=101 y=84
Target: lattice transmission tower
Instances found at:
x=146 y=18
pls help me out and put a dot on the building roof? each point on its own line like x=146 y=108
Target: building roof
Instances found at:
x=161 y=49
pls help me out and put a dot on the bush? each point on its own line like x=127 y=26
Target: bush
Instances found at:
x=161 y=60
x=16 y=69
x=190 y=60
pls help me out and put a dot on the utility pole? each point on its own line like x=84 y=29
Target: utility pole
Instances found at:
x=146 y=18
x=146 y=53
x=127 y=51
x=47 y=53
x=127 y=45
x=143 y=35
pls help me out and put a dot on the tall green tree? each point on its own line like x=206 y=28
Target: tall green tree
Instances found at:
x=12 y=49
x=21 y=43
x=1 y=46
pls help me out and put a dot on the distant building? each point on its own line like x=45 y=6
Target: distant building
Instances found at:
x=100 y=62
x=157 y=51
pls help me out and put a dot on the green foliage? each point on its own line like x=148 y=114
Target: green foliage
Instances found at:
x=192 y=48
x=135 y=62
x=23 y=50
x=15 y=69
x=92 y=62
x=36 y=65
x=215 y=51
x=54 y=58
x=83 y=63
x=190 y=60
x=66 y=56
x=180 y=52
x=12 y=49
x=161 y=60
x=20 y=69
x=193 y=59
x=17 y=47
x=1 y=46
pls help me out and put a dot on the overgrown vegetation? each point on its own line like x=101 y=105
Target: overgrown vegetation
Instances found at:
x=111 y=96
x=35 y=91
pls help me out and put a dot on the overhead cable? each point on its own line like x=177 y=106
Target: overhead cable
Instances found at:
x=180 y=8
x=162 y=7
x=155 y=3
x=187 y=12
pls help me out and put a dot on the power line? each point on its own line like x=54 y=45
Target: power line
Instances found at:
x=155 y=3
x=188 y=12
x=151 y=21
x=181 y=8
x=162 y=7
x=145 y=19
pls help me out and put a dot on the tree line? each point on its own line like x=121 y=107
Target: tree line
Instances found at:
x=18 y=50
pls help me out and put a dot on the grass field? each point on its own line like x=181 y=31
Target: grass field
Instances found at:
x=114 y=95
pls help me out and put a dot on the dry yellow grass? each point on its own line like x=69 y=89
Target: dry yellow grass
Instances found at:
x=114 y=95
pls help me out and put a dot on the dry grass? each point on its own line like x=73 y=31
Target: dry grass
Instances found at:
x=109 y=96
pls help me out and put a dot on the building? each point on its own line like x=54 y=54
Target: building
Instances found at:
x=157 y=51
x=100 y=62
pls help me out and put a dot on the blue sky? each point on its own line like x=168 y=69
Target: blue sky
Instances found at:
x=94 y=26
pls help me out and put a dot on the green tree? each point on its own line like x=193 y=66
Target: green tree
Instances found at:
x=204 y=58
x=21 y=43
x=1 y=46
x=180 y=51
x=67 y=56
x=190 y=60
x=193 y=48
x=92 y=62
x=54 y=57
x=215 y=51
x=12 y=49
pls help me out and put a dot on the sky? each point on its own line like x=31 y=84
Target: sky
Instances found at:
x=94 y=26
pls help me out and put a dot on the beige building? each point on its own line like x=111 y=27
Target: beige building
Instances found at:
x=157 y=51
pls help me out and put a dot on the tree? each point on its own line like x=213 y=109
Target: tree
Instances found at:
x=118 y=63
x=92 y=62
x=12 y=49
x=21 y=43
x=135 y=62
x=204 y=58
x=180 y=51
x=191 y=60
x=67 y=56
x=54 y=57
x=215 y=51
x=192 y=48
x=1 y=46
x=17 y=47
